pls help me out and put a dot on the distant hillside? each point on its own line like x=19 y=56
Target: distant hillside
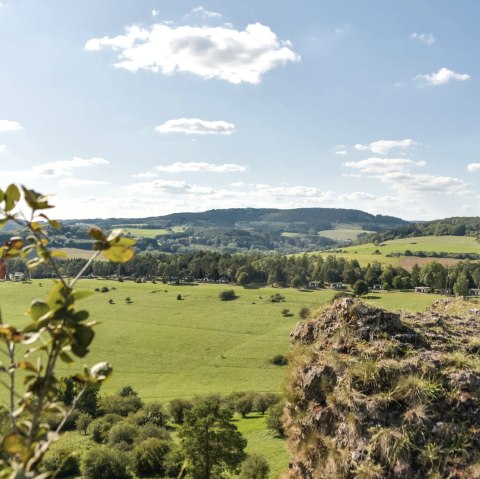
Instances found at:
x=455 y=226
x=234 y=230
x=240 y=229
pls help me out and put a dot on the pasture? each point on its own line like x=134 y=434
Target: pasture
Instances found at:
x=167 y=348
x=367 y=253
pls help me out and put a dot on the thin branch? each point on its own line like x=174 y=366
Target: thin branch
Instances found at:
x=87 y=264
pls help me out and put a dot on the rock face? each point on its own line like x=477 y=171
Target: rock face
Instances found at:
x=376 y=395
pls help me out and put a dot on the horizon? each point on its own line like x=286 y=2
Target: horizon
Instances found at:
x=137 y=109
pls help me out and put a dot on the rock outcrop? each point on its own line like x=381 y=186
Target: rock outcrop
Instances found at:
x=374 y=394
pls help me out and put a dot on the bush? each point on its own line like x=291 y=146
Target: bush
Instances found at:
x=127 y=391
x=227 y=295
x=151 y=413
x=261 y=402
x=285 y=312
x=122 y=432
x=62 y=459
x=360 y=288
x=304 y=313
x=150 y=430
x=103 y=463
x=255 y=467
x=100 y=427
x=179 y=297
x=177 y=408
x=274 y=419
x=340 y=295
x=277 y=298
x=242 y=402
x=121 y=405
x=279 y=360
x=149 y=456
x=83 y=421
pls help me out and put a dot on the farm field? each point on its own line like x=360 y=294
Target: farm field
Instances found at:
x=365 y=253
x=152 y=233
x=167 y=348
x=342 y=234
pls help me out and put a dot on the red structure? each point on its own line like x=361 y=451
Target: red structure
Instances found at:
x=3 y=271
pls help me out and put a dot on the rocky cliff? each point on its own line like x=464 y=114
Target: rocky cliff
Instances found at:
x=374 y=394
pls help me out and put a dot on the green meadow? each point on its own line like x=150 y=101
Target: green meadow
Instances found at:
x=167 y=348
x=367 y=253
x=152 y=233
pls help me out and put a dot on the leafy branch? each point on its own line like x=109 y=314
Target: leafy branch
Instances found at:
x=58 y=331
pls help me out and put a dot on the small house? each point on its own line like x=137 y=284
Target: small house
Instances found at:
x=474 y=292
x=377 y=287
x=337 y=286
x=422 y=289
x=314 y=284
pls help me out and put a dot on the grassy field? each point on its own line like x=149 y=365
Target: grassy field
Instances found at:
x=365 y=253
x=342 y=234
x=152 y=233
x=167 y=348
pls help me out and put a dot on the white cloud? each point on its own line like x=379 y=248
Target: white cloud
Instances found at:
x=237 y=184
x=8 y=125
x=473 y=167
x=382 y=147
x=357 y=196
x=204 y=13
x=382 y=165
x=180 y=166
x=195 y=126
x=155 y=13
x=66 y=167
x=443 y=76
x=209 y=52
x=427 y=38
x=341 y=152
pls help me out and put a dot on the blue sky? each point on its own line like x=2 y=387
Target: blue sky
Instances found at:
x=148 y=107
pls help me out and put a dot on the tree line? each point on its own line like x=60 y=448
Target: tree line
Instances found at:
x=282 y=270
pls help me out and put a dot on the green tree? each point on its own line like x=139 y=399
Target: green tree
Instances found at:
x=461 y=285
x=210 y=440
x=360 y=288
x=255 y=467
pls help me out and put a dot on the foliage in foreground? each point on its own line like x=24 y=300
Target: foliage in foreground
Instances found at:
x=58 y=331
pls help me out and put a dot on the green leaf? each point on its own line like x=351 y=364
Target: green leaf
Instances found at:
x=35 y=200
x=79 y=294
x=82 y=337
x=12 y=196
x=97 y=234
x=66 y=358
x=38 y=309
x=13 y=443
x=81 y=315
x=28 y=366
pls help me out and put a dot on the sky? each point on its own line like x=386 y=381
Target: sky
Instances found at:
x=148 y=107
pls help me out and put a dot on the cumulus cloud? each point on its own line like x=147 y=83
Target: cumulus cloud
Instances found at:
x=382 y=165
x=473 y=167
x=195 y=126
x=443 y=76
x=209 y=52
x=427 y=38
x=204 y=13
x=180 y=167
x=9 y=125
x=382 y=147
x=66 y=167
